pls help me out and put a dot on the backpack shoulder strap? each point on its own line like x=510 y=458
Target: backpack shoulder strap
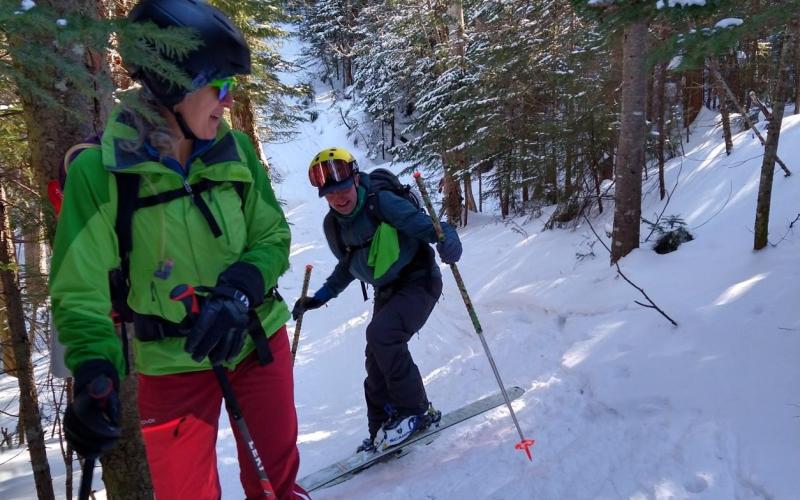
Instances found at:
x=127 y=194
x=332 y=232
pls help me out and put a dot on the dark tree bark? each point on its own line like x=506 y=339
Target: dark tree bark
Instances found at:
x=451 y=192
x=630 y=157
x=243 y=118
x=773 y=136
x=723 y=111
x=469 y=197
x=126 y=473
x=28 y=399
x=659 y=87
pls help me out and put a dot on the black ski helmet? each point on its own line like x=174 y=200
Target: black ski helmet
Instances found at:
x=223 y=53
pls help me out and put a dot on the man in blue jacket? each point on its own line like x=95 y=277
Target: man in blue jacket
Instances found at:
x=382 y=239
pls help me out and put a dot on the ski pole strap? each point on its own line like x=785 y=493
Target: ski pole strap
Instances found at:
x=259 y=336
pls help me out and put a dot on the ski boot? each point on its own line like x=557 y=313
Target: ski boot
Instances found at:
x=368 y=445
x=399 y=427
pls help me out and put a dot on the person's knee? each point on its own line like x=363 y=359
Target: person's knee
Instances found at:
x=375 y=334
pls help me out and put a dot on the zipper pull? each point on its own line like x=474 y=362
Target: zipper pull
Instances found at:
x=187 y=186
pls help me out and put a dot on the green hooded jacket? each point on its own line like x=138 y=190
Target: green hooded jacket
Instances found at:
x=254 y=230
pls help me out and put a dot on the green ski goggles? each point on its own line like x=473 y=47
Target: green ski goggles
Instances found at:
x=224 y=86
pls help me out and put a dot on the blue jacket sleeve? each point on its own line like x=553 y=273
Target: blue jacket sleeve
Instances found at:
x=339 y=279
x=405 y=217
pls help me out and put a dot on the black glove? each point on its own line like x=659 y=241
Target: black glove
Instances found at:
x=304 y=304
x=221 y=325
x=449 y=249
x=92 y=421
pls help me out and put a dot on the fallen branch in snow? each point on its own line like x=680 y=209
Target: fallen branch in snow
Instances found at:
x=344 y=120
x=651 y=305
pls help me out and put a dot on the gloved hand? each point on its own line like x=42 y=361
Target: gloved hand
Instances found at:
x=449 y=249
x=304 y=304
x=220 y=327
x=92 y=421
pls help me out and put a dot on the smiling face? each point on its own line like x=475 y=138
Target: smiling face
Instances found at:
x=202 y=110
x=344 y=201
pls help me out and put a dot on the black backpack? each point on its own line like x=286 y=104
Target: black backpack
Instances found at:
x=382 y=179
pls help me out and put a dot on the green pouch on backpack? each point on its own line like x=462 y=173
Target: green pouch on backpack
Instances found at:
x=384 y=251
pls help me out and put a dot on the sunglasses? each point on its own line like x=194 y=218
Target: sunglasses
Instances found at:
x=224 y=86
x=337 y=170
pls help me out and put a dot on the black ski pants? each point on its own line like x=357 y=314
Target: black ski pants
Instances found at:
x=392 y=376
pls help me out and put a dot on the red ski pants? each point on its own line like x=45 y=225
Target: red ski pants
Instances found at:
x=180 y=415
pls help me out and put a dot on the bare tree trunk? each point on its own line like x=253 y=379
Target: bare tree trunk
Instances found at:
x=454 y=162
x=451 y=192
x=659 y=87
x=28 y=400
x=6 y=346
x=773 y=137
x=723 y=109
x=630 y=158
x=394 y=132
x=469 y=197
x=126 y=473
x=243 y=117
x=505 y=196
x=797 y=82
x=480 y=191
x=347 y=68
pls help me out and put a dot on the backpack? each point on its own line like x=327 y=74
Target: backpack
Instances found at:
x=382 y=179
x=128 y=201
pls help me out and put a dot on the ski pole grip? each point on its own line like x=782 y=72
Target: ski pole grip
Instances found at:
x=429 y=206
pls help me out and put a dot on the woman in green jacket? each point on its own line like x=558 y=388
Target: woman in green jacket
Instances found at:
x=203 y=214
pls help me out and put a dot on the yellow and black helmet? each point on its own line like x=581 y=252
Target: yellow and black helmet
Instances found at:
x=332 y=169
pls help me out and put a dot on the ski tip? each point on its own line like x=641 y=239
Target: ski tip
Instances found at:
x=309 y=267
x=417 y=174
x=525 y=445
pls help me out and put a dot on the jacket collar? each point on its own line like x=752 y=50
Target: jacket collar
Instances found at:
x=223 y=148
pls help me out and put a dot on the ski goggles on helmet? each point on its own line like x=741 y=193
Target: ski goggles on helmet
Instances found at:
x=224 y=86
x=330 y=170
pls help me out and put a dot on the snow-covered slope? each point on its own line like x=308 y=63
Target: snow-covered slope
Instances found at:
x=621 y=403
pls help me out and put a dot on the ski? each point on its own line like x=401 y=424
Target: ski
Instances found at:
x=344 y=469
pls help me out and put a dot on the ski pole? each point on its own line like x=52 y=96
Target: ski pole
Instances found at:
x=188 y=297
x=87 y=473
x=299 y=322
x=524 y=444
x=236 y=413
x=99 y=390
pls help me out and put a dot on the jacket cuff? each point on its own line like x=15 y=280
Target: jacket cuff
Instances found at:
x=246 y=278
x=91 y=369
x=323 y=294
